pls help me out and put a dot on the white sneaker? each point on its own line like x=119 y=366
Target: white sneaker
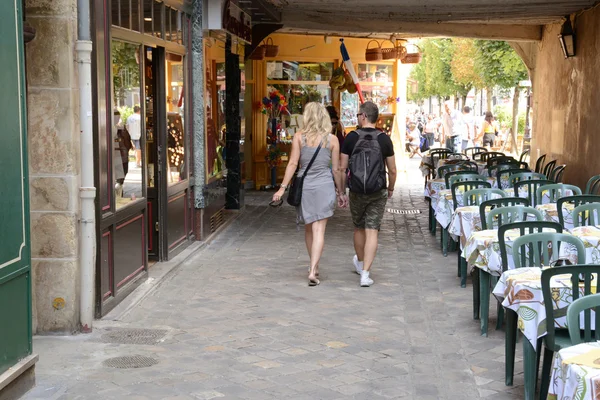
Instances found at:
x=358 y=265
x=365 y=281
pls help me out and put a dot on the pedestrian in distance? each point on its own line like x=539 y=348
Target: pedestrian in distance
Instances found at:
x=366 y=154
x=315 y=142
x=134 y=127
x=489 y=130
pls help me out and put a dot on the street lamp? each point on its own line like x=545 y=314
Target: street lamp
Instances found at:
x=567 y=38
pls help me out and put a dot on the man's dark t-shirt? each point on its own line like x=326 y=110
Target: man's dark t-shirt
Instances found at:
x=387 y=147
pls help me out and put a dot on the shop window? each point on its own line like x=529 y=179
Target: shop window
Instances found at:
x=154 y=21
x=158 y=20
x=377 y=83
x=300 y=82
x=126 y=14
x=173 y=31
x=176 y=165
x=127 y=125
x=215 y=123
x=299 y=71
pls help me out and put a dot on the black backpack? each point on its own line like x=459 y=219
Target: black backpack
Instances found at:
x=366 y=165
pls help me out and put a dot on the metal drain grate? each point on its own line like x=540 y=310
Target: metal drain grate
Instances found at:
x=216 y=221
x=134 y=336
x=135 y=361
x=396 y=211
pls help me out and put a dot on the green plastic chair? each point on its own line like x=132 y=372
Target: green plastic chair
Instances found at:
x=471 y=165
x=576 y=201
x=471 y=176
x=557 y=339
x=524 y=155
x=503 y=177
x=537 y=253
x=464 y=187
x=493 y=170
x=525 y=228
x=500 y=160
x=525 y=176
x=487 y=155
x=549 y=167
x=557 y=173
x=476 y=196
x=507 y=215
x=443 y=170
x=586 y=215
x=555 y=191
x=471 y=151
x=539 y=164
x=593 y=185
x=487 y=206
x=583 y=304
x=439 y=154
x=532 y=186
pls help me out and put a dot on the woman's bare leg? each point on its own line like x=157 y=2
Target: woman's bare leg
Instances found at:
x=308 y=238
x=318 y=242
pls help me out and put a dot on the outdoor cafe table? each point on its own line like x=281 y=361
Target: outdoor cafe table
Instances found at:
x=576 y=373
x=520 y=291
x=550 y=213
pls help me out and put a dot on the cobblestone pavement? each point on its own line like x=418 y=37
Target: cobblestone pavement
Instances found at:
x=240 y=322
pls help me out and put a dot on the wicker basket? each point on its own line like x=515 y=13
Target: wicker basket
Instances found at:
x=401 y=52
x=271 y=50
x=373 y=54
x=412 y=57
x=389 y=53
x=258 y=53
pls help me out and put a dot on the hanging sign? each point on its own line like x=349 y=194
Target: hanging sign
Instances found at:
x=237 y=22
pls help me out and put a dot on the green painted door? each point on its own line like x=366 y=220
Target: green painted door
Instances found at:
x=15 y=259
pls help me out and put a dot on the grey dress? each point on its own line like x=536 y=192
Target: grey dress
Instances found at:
x=318 y=192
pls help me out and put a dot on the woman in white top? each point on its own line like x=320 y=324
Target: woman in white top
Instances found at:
x=414 y=138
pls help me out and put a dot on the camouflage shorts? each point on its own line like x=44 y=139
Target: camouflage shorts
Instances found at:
x=367 y=209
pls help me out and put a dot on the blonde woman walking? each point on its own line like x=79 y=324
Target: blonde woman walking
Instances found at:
x=319 y=190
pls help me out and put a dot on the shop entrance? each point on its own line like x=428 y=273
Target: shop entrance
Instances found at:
x=169 y=208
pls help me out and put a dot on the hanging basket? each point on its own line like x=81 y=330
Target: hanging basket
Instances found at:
x=271 y=50
x=389 y=53
x=373 y=54
x=258 y=53
x=401 y=52
x=412 y=57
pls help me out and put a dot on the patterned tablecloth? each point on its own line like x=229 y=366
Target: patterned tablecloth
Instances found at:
x=590 y=236
x=524 y=194
x=550 y=213
x=576 y=373
x=465 y=221
x=521 y=291
x=482 y=249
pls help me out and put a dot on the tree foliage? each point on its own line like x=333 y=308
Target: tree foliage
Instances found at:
x=454 y=66
x=498 y=64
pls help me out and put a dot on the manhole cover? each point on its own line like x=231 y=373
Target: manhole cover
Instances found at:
x=396 y=211
x=134 y=336
x=135 y=361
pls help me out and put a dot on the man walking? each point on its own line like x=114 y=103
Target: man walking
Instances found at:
x=467 y=127
x=367 y=152
x=451 y=127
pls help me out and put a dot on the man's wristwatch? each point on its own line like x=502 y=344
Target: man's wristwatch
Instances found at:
x=284 y=187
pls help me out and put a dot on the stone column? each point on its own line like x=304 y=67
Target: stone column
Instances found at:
x=197 y=158
x=53 y=148
x=234 y=197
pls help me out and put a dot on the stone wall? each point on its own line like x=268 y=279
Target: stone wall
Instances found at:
x=53 y=164
x=567 y=100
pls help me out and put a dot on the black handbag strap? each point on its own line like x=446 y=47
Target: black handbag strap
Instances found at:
x=312 y=160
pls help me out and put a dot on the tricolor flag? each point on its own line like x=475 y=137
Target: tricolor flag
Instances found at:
x=350 y=69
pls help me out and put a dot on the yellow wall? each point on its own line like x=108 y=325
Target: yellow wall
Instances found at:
x=291 y=48
x=297 y=48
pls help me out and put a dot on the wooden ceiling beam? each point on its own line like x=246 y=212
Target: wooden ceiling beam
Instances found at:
x=512 y=32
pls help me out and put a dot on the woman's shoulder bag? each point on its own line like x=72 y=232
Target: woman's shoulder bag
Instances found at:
x=295 y=194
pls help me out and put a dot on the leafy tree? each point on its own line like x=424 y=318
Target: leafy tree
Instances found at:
x=126 y=69
x=500 y=65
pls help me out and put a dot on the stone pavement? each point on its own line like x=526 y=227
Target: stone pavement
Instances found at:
x=240 y=322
